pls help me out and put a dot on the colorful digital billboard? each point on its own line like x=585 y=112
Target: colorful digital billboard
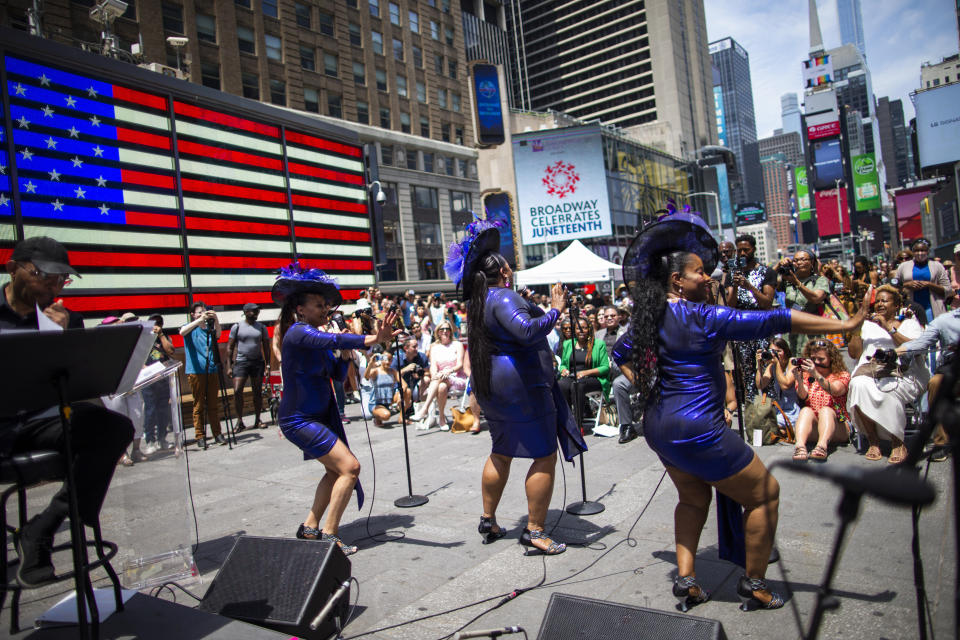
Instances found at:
x=866 y=182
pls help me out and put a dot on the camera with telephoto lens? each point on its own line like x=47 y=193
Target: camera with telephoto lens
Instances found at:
x=886 y=357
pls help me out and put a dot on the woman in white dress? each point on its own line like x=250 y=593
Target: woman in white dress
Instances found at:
x=877 y=404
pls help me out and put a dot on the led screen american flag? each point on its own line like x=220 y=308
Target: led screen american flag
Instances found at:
x=159 y=197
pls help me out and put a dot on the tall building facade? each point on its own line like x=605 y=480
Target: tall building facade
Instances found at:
x=790 y=118
x=854 y=89
x=485 y=37
x=777 y=197
x=630 y=63
x=894 y=141
x=733 y=64
x=784 y=144
x=851 y=24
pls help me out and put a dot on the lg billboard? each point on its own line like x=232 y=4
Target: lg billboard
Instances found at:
x=938 y=124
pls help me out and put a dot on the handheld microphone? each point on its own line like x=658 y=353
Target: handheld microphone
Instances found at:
x=488 y=633
x=327 y=608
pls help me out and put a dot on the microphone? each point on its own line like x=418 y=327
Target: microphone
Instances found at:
x=488 y=633
x=897 y=484
x=327 y=608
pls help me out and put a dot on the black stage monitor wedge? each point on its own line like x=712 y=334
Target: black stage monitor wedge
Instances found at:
x=575 y=617
x=281 y=584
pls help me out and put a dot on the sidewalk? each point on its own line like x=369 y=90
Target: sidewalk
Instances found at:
x=430 y=559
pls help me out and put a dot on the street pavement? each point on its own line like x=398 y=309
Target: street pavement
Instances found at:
x=428 y=562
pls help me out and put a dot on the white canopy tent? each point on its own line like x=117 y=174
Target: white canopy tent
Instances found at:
x=576 y=263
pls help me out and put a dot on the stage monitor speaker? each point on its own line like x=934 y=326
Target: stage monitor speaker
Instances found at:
x=570 y=617
x=281 y=584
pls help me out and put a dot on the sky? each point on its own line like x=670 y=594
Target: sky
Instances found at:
x=899 y=36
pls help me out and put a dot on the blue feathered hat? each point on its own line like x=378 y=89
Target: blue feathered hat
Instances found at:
x=482 y=237
x=673 y=231
x=295 y=279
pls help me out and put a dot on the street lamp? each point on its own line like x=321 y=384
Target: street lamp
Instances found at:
x=716 y=203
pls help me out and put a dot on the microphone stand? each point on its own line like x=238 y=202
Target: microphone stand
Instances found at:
x=738 y=385
x=409 y=500
x=584 y=507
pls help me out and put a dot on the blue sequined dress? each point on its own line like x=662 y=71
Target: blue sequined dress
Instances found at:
x=308 y=414
x=684 y=423
x=526 y=412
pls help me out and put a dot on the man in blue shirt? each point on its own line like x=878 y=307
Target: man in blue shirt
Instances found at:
x=200 y=339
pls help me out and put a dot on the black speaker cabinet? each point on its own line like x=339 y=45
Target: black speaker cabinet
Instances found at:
x=281 y=584
x=574 y=617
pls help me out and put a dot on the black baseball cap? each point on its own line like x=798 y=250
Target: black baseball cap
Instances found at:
x=45 y=253
x=251 y=306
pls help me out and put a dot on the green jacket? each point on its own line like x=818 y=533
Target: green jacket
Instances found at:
x=598 y=360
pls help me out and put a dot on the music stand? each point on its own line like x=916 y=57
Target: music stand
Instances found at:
x=56 y=368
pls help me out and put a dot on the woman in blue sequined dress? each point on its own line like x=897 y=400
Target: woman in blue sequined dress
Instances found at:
x=308 y=414
x=676 y=342
x=514 y=382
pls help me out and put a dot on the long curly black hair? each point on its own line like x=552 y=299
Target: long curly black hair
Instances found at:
x=649 y=305
x=479 y=346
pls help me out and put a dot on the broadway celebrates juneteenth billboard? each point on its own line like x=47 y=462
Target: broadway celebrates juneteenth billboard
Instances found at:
x=561 y=186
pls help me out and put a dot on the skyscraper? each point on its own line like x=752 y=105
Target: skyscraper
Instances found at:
x=851 y=24
x=629 y=64
x=790 y=114
x=733 y=63
x=894 y=141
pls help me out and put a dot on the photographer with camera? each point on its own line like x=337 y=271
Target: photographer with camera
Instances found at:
x=413 y=367
x=752 y=287
x=773 y=364
x=804 y=289
x=384 y=380
x=200 y=339
x=880 y=389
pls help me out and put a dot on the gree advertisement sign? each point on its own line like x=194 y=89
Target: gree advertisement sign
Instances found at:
x=803 y=193
x=866 y=182
x=561 y=187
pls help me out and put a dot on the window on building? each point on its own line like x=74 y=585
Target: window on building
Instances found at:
x=421 y=92
x=425 y=126
x=331 y=65
x=455 y=101
x=377 y=39
x=429 y=250
x=434 y=29
x=375 y=8
x=311 y=99
x=445 y=6
x=458 y=137
x=270 y=8
x=442 y=98
x=936 y=82
x=381 y=80
x=460 y=201
x=394 y=13
x=413 y=18
x=384 y=117
x=359 y=73
x=363 y=112
x=402 y=86
x=427 y=233
x=448 y=34
x=172 y=15
x=417 y=57
x=308 y=59
x=303 y=14
x=325 y=23
x=438 y=63
x=352 y=4
x=445 y=131
x=274 y=47
x=356 y=37
x=278 y=92
x=210 y=75
x=428 y=162
x=424 y=197
x=462 y=168
x=450 y=168
x=452 y=68
x=398 y=49
x=386 y=155
x=404 y=122
x=251 y=85
x=245 y=40
x=334 y=105
x=411 y=159
x=432 y=3
x=206 y=28
x=242 y=3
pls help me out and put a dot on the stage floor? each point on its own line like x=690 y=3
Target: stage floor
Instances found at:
x=430 y=559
